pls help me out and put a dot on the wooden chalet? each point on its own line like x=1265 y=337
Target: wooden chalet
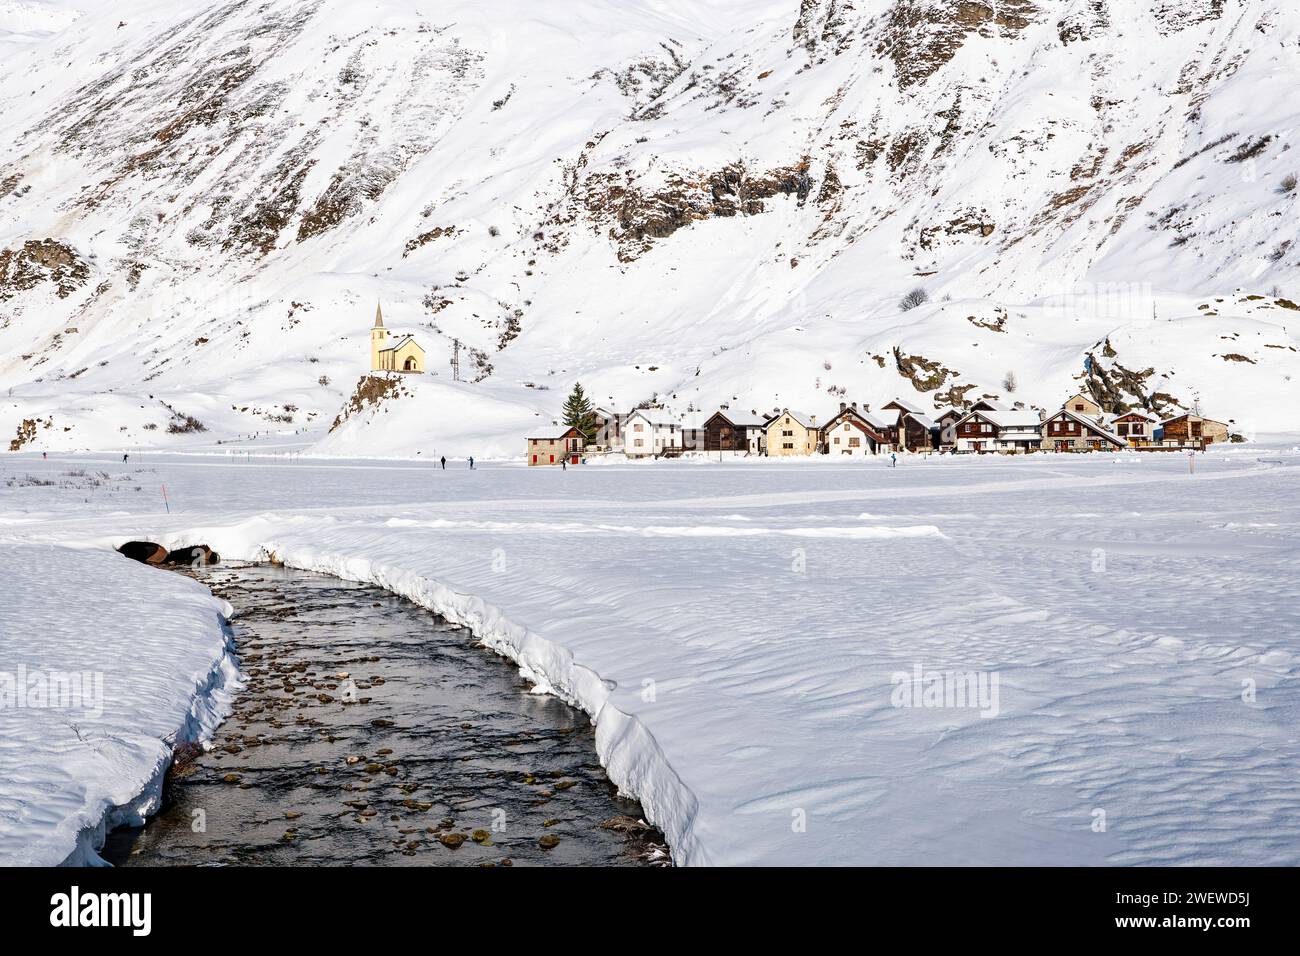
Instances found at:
x=1067 y=430
x=1000 y=431
x=1193 y=431
x=738 y=432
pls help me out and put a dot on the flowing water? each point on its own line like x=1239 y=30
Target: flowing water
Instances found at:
x=374 y=732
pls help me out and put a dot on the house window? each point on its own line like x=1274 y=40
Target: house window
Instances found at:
x=986 y=429
x=837 y=440
x=788 y=444
x=1078 y=406
x=637 y=427
x=854 y=442
x=638 y=442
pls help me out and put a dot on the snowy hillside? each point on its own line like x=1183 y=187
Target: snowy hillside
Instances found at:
x=690 y=202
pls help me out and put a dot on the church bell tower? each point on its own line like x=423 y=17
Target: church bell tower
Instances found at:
x=378 y=339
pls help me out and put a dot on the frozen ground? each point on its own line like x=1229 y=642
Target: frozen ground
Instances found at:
x=735 y=630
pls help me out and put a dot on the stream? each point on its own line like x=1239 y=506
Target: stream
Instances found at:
x=373 y=732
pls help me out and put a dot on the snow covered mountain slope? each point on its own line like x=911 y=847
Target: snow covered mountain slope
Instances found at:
x=671 y=200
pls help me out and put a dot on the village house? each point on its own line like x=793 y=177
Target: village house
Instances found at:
x=855 y=433
x=609 y=429
x=910 y=428
x=1081 y=404
x=918 y=432
x=651 y=432
x=1068 y=430
x=1194 y=431
x=737 y=432
x=999 y=431
x=1136 y=428
x=947 y=421
x=400 y=355
x=555 y=446
x=693 y=431
x=791 y=433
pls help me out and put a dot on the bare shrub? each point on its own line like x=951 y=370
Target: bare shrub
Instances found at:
x=917 y=296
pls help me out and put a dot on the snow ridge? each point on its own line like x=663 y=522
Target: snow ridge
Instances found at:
x=627 y=749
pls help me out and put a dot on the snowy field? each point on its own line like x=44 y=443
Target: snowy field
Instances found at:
x=738 y=632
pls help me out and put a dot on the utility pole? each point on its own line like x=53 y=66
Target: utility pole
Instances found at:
x=455 y=360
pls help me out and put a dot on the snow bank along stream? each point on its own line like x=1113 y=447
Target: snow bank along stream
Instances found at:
x=372 y=732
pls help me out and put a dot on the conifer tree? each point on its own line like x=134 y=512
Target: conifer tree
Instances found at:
x=578 y=413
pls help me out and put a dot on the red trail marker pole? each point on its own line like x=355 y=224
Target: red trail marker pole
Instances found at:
x=165 y=501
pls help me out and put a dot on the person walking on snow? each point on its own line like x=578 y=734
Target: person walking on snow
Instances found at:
x=893 y=459
x=471 y=462
x=124 y=457
x=444 y=462
x=564 y=464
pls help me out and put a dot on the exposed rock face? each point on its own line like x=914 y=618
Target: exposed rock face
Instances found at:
x=371 y=391
x=1175 y=15
x=924 y=374
x=922 y=35
x=1084 y=22
x=192 y=555
x=1118 y=389
x=635 y=218
x=822 y=25
x=145 y=551
x=38 y=261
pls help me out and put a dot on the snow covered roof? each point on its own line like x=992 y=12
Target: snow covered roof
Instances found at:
x=1089 y=423
x=655 y=416
x=803 y=419
x=398 y=343
x=1132 y=413
x=922 y=420
x=554 y=433
x=850 y=411
x=876 y=420
x=989 y=405
x=906 y=406
x=743 y=419
x=1176 y=418
x=1005 y=419
x=694 y=420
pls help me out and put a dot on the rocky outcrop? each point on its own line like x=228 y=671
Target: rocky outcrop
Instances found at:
x=192 y=556
x=371 y=391
x=144 y=551
x=920 y=36
x=41 y=261
x=635 y=218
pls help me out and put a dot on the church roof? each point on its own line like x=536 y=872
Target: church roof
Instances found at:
x=379 y=316
x=398 y=343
